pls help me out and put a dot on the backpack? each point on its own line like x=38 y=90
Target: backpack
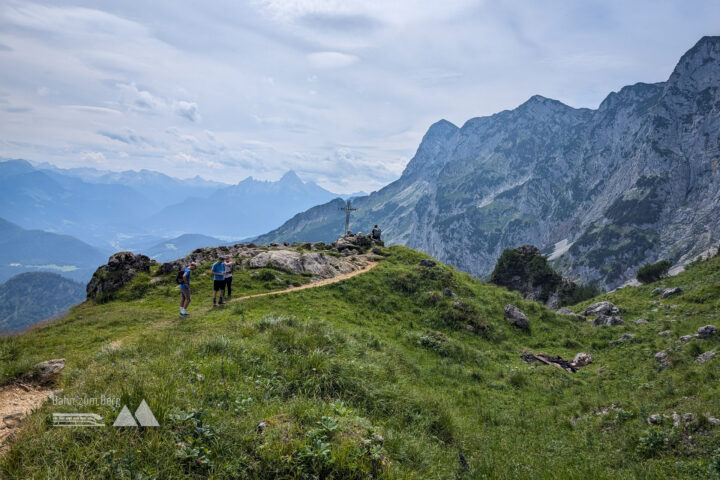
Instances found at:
x=179 y=277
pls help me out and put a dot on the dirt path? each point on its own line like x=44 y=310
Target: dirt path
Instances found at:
x=19 y=400
x=16 y=402
x=326 y=281
x=195 y=313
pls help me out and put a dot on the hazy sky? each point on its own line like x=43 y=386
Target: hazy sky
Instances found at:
x=340 y=91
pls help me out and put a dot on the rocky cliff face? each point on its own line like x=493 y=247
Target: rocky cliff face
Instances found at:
x=601 y=191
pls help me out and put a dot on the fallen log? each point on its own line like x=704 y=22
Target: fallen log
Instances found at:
x=555 y=361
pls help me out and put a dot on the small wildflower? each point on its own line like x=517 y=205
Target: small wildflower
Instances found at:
x=139 y=451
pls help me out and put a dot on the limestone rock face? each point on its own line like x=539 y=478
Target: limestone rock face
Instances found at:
x=319 y=264
x=601 y=192
x=119 y=270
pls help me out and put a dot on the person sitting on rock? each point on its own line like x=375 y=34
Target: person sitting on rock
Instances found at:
x=218 y=273
x=376 y=232
x=185 y=290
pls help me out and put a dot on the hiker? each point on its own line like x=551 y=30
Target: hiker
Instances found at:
x=218 y=273
x=185 y=290
x=376 y=232
x=228 y=277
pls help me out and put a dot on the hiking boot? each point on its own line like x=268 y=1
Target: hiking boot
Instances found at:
x=184 y=315
x=221 y=301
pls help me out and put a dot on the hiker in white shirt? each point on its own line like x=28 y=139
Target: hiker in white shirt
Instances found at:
x=228 y=276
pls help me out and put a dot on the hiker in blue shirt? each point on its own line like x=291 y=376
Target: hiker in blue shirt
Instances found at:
x=218 y=273
x=185 y=290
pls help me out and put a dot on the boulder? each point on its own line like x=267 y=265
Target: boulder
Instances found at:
x=640 y=321
x=707 y=331
x=565 y=311
x=119 y=270
x=516 y=317
x=688 y=338
x=671 y=291
x=323 y=266
x=662 y=358
x=609 y=321
x=665 y=333
x=601 y=308
x=427 y=263
x=625 y=337
x=705 y=357
x=46 y=372
x=582 y=359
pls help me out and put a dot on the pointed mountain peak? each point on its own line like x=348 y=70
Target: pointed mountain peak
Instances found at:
x=699 y=68
x=441 y=127
x=290 y=177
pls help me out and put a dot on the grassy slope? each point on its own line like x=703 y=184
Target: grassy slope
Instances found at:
x=333 y=370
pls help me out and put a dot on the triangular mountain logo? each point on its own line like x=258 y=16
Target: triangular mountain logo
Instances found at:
x=145 y=417
x=125 y=418
x=143 y=414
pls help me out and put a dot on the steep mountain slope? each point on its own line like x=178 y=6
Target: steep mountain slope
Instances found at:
x=31 y=297
x=407 y=371
x=243 y=210
x=633 y=181
x=34 y=250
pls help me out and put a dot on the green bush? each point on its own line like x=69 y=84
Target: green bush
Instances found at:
x=652 y=273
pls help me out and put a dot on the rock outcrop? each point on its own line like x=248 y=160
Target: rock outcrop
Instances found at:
x=119 y=270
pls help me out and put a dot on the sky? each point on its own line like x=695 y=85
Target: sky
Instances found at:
x=339 y=91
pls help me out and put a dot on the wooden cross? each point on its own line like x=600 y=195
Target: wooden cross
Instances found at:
x=347 y=208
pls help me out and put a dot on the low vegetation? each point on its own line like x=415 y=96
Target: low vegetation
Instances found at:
x=406 y=371
x=653 y=272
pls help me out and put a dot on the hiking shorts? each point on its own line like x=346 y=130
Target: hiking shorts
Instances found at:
x=185 y=294
x=218 y=285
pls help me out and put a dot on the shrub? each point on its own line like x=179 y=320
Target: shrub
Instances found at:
x=652 y=273
x=651 y=442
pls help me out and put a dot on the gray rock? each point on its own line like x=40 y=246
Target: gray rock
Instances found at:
x=605 y=320
x=705 y=357
x=449 y=293
x=625 y=337
x=427 y=263
x=714 y=421
x=671 y=291
x=516 y=317
x=46 y=372
x=324 y=266
x=665 y=333
x=601 y=308
x=688 y=417
x=707 y=331
x=582 y=359
x=656 y=291
x=662 y=357
x=654 y=419
x=688 y=338
x=640 y=321
x=565 y=311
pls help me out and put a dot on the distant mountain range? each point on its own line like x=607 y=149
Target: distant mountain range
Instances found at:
x=134 y=210
x=179 y=247
x=249 y=208
x=31 y=297
x=34 y=250
x=600 y=191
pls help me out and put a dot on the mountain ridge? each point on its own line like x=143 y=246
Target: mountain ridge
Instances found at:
x=622 y=184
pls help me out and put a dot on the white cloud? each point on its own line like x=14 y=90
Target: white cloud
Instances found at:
x=188 y=110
